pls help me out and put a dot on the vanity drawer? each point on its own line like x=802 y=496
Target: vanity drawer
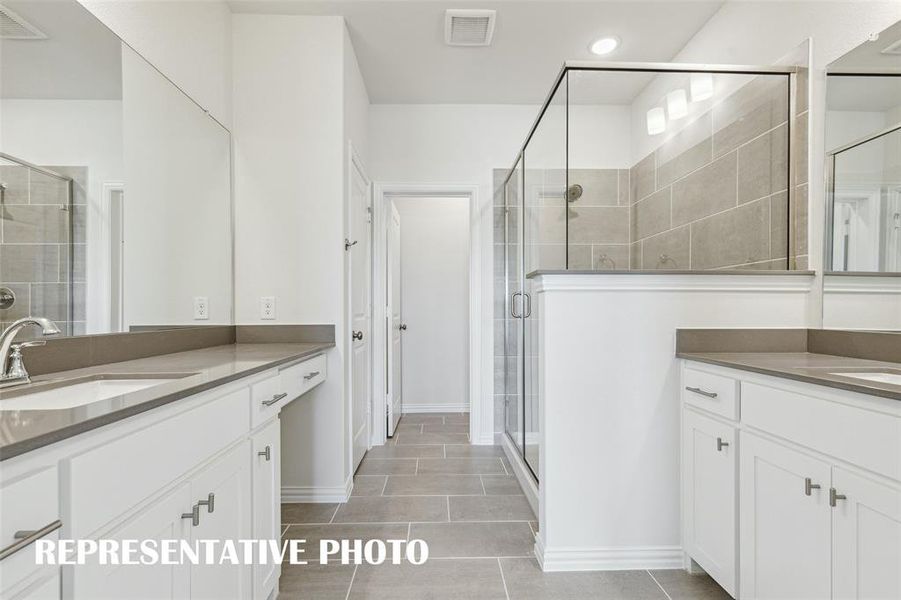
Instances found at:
x=29 y=503
x=267 y=398
x=867 y=438
x=711 y=392
x=107 y=480
x=304 y=376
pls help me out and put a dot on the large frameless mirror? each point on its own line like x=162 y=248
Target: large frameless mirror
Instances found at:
x=115 y=205
x=862 y=287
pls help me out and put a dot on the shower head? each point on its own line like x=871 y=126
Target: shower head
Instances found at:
x=573 y=192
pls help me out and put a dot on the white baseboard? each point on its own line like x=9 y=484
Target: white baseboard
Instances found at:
x=296 y=493
x=522 y=473
x=608 y=559
x=434 y=408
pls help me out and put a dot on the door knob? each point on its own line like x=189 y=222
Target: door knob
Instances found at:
x=403 y=327
x=357 y=335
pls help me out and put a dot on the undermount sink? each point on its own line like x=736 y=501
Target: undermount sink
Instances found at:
x=83 y=390
x=890 y=377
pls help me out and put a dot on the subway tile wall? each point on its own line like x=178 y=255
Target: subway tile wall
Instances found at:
x=35 y=245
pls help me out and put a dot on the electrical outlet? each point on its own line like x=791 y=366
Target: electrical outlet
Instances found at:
x=201 y=308
x=267 y=308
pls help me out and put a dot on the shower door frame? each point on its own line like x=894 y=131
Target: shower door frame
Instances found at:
x=788 y=71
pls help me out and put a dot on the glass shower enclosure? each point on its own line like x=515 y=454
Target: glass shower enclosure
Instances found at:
x=637 y=168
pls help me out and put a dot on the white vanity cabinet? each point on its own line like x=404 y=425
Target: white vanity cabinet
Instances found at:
x=267 y=517
x=206 y=467
x=804 y=501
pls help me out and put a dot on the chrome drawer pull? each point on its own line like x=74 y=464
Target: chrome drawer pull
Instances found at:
x=194 y=515
x=720 y=444
x=310 y=376
x=26 y=538
x=809 y=486
x=267 y=453
x=834 y=497
x=696 y=390
x=275 y=399
x=210 y=502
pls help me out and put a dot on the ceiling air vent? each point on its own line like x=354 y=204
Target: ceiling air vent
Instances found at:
x=468 y=27
x=893 y=49
x=14 y=27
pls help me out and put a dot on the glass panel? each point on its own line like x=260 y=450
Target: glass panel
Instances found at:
x=866 y=225
x=512 y=329
x=36 y=246
x=678 y=171
x=544 y=245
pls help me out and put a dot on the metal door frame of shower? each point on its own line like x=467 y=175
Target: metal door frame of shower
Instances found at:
x=70 y=183
x=791 y=72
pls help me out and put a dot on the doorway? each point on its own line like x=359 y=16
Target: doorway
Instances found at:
x=429 y=338
x=434 y=303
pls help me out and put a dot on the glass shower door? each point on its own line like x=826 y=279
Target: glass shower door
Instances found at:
x=512 y=322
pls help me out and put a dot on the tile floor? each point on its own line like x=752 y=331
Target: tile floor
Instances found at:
x=429 y=483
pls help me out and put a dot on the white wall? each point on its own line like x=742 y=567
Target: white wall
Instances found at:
x=609 y=385
x=435 y=303
x=74 y=132
x=189 y=41
x=298 y=101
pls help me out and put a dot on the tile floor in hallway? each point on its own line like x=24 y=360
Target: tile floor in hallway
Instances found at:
x=429 y=483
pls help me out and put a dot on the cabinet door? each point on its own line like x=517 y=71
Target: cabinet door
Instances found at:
x=227 y=482
x=44 y=587
x=162 y=520
x=267 y=518
x=784 y=526
x=710 y=488
x=866 y=538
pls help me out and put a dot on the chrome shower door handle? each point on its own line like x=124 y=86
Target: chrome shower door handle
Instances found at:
x=527 y=304
x=513 y=305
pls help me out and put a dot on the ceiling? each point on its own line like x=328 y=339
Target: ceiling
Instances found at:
x=401 y=51
x=80 y=59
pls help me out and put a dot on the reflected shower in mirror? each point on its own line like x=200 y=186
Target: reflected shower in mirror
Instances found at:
x=862 y=288
x=115 y=206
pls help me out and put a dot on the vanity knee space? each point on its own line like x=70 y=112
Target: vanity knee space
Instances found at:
x=801 y=470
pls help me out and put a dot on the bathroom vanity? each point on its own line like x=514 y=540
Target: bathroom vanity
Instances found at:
x=194 y=456
x=791 y=473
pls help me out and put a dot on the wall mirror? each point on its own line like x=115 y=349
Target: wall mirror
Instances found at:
x=116 y=212
x=862 y=282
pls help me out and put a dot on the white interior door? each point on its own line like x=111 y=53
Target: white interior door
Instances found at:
x=360 y=294
x=394 y=322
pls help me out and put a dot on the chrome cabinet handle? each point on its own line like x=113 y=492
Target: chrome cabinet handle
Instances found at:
x=210 y=502
x=267 y=453
x=720 y=444
x=697 y=390
x=275 y=399
x=513 y=305
x=357 y=335
x=834 y=497
x=194 y=515
x=310 y=376
x=28 y=537
x=809 y=486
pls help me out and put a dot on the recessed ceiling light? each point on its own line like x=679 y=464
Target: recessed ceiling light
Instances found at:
x=605 y=45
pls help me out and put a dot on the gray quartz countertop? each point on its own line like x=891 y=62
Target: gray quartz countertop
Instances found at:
x=819 y=369
x=196 y=371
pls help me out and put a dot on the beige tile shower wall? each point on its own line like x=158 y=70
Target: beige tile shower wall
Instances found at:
x=35 y=246
x=714 y=196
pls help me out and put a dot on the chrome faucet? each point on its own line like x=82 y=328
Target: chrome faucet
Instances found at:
x=12 y=369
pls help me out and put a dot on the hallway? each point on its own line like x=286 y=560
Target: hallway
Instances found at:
x=429 y=483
